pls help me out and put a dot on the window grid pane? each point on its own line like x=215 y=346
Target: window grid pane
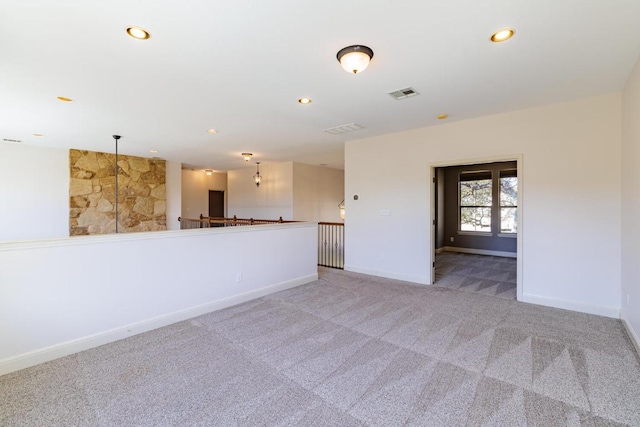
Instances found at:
x=509 y=205
x=509 y=191
x=475 y=219
x=475 y=193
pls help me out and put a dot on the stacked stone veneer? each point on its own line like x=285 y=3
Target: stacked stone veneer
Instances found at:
x=141 y=194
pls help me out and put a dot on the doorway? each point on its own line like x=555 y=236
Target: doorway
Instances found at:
x=440 y=242
x=216 y=204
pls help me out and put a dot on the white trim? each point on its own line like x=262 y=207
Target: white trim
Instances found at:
x=388 y=275
x=124 y=237
x=475 y=233
x=440 y=250
x=633 y=335
x=55 y=351
x=481 y=252
x=510 y=235
x=613 y=312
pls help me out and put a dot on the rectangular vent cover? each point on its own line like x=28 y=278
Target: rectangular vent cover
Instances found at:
x=13 y=141
x=343 y=129
x=405 y=93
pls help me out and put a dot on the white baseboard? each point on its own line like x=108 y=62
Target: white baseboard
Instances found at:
x=387 y=274
x=56 y=351
x=480 y=252
x=613 y=312
x=440 y=250
x=633 y=335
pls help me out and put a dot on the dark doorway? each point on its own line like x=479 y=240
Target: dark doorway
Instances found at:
x=216 y=204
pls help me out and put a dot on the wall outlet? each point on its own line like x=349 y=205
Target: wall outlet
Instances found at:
x=451 y=239
x=238 y=277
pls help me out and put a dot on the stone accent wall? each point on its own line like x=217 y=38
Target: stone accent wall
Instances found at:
x=142 y=193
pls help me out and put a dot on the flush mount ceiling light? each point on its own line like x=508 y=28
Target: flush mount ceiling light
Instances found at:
x=304 y=101
x=354 y=59
x=209 y=172
x=153 y=151
x=442 y=116
x=246 y=156
x=38 y=134
x=212 y=131
x=64 y=99
x=257 y=178
x=502 y=35
x=138 y=33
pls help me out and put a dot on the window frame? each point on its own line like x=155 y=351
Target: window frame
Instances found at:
x=475 y=175
x=508 y=173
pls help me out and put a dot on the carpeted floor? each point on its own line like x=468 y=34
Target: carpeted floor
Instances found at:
x=347 y=350
x=487 y=275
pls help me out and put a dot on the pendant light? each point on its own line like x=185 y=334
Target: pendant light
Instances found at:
x=257 y=177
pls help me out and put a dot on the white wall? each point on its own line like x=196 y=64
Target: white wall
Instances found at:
x=570 y=183
x=90 y=290
x=174 y=195
x=195 y=191
x=317 y=191
x=274 y=197
x=34 y=192
x=631 y=203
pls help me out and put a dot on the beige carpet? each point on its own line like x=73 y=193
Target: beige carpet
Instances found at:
x=347 y=350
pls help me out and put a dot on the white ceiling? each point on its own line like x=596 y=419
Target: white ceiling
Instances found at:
x=240 y=66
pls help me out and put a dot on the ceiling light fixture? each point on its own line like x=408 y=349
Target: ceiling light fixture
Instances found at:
x=212 y=131
x=341 y=208
x=257 y=178
x=355 y=59
x=138 y=33
x=502 y=35
x=153 y=151
x=246 y=156
x=442 y=116
x=304 y=101
x=64 y=99
x=38 y=134
x=209 y=172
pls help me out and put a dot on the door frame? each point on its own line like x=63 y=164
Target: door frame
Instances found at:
x=432 y=211
x=224 y=202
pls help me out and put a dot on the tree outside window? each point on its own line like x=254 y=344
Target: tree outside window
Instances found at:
x=508 y=201
x=476 y=201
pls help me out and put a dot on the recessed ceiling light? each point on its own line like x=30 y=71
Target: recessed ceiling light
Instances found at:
x=212 y=131
x=442 y=116
x=304 y=101
x=38 y=134
x=502 y=35
x=65 y=99
x=138 y=33
x=153 y=151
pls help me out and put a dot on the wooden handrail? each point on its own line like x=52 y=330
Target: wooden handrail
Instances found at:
x=331 y=223
x=206 y=222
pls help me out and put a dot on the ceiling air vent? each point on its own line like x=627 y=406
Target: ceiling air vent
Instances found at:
x=343 y=129
x=13 y=141
x=405 y=93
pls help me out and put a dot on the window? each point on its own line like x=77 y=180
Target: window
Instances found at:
x=508 y=201
x=475 y=201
